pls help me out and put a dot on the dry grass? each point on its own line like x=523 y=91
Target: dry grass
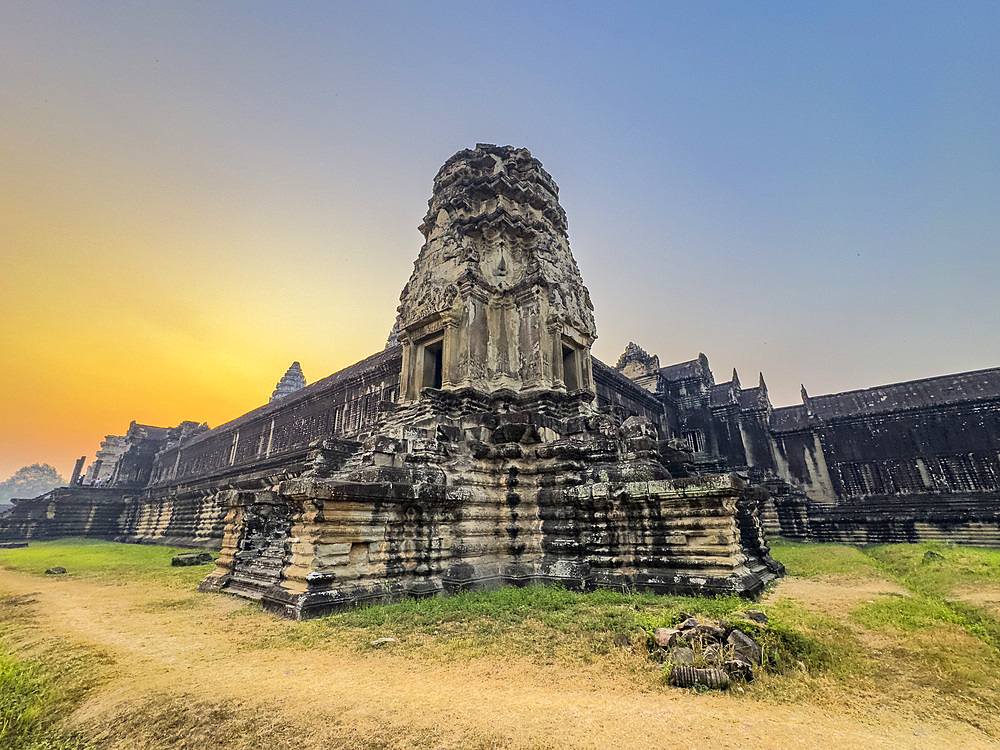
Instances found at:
x=168 y=668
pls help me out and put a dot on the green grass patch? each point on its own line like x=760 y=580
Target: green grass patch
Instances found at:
x=936 y=569
x=807 y=560
x=29 y=700
x=933 y=572
x=797 y=639
x=36 y=690
x=907 y=613
x=109 y=562
x=541 y=623
x=550 y=624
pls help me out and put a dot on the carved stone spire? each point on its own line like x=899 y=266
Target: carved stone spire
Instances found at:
x=495 y=300
x=635 y=363
x=293 y=380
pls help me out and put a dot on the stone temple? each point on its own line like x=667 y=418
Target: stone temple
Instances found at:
x=486 y=446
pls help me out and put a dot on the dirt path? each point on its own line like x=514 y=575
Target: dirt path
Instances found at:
x=206 y=656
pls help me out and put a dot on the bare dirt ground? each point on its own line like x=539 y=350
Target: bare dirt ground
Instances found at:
x=182 y=673
x=987 y=597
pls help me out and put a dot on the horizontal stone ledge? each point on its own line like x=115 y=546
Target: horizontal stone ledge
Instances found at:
x=377 y=590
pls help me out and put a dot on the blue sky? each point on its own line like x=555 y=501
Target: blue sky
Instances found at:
x=192 y=195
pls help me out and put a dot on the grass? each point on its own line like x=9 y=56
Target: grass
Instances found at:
x=925 y=643
x=552 y=625
x=809 y=560
x=37 y=689
x=544 y=623
x=936 y=569
x=932 y=572
x=108 y=562
x=923 y=650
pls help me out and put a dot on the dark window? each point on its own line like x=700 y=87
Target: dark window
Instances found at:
x=433 y=362
x=570 y=375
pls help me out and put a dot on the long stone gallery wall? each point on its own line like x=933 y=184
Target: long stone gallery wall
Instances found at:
x=900 y=463
x=896 y=463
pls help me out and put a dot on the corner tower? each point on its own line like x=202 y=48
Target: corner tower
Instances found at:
x=495 y=301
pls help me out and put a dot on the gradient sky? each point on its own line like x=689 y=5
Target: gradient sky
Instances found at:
x=192 y=195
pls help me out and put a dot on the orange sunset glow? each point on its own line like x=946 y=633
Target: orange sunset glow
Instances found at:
x=194 y=196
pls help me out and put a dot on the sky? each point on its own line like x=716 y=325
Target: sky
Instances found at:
x=193 y=195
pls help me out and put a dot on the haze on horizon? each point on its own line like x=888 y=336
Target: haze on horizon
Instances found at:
x=194 y=195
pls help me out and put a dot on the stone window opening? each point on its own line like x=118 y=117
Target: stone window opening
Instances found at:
x=571 y=370
x=433 y=364
x=695 y=442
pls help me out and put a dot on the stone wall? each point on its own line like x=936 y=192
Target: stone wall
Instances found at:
x=903 y=462
x=65 y=511
x=344 y=403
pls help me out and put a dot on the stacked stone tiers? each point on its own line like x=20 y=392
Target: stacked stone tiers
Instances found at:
x=316 y=546
x=973 y=519
x=63 y=512
x=487 y=499
x=185 y=520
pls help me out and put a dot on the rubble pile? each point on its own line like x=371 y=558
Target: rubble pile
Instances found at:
x=710 y=653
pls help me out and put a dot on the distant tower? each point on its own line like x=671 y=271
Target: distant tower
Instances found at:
x=293 y=380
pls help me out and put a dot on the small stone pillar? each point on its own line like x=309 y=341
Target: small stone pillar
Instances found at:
x=77 y=470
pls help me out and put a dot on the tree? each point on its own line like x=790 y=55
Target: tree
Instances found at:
x=30 y=481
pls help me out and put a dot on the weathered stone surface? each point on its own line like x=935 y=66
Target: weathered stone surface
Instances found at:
x=191 y=558
x=687 y=676
x=293 y=380
x=745 y=647
x=495 y=300
x=666 y=637
x=751 y=615
x=681 y=655
x=707 y=633
x=713 y=653
x=739 y=668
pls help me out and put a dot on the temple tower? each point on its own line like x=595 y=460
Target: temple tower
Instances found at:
x=495 y=301
x=293 y=380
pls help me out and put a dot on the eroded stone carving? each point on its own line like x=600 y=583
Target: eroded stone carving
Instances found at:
x=496 y=281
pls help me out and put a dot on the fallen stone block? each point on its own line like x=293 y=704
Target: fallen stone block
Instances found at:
x=685 y=676
x=739 y=668
x=666 y=637
x=682 y=655
x=192 y=558
x=56 y=571
x=745 y=646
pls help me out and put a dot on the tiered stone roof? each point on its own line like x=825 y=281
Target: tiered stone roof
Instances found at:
x=293 y=380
